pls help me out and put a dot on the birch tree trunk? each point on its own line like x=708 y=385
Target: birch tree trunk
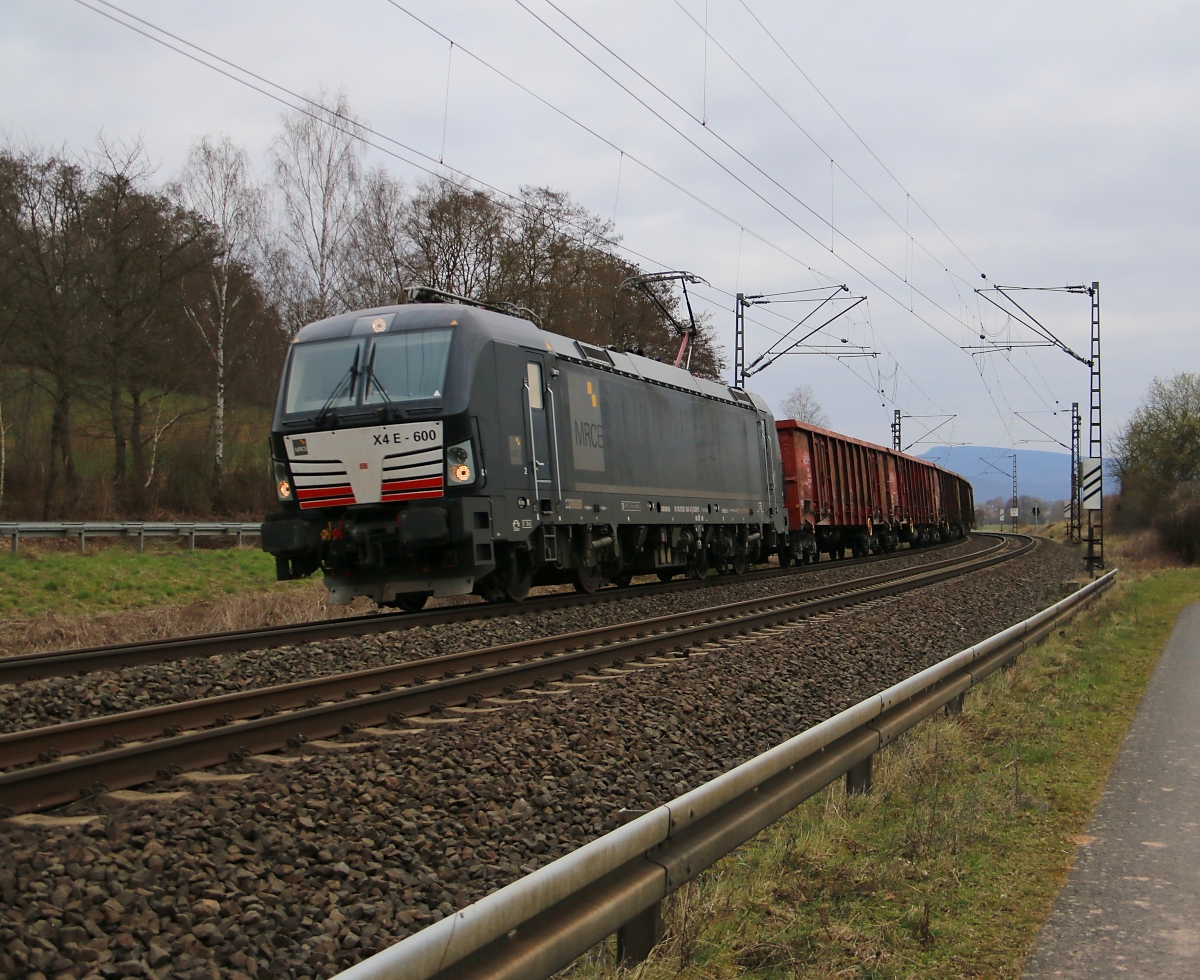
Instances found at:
x=216 y=184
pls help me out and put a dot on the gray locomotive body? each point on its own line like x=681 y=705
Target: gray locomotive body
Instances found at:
x=441 y=449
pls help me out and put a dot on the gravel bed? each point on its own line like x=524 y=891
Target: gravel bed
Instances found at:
x=34 y=704
x=304 y=869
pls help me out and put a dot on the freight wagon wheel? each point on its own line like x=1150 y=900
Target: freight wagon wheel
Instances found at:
x=785 y=555
x=587 y=578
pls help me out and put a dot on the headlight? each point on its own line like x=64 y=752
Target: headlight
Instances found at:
x=460 y=464
x=283 y=481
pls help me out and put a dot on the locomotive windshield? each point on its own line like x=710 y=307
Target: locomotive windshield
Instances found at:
x=383 y=370
x=407 y=366
x=322 y=376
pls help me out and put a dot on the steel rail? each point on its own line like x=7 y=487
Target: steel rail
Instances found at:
x=56 y=783
x=62 y=663
x=540 y=923
x=53 y=741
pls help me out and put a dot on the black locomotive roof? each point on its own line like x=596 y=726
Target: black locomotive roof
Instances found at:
x=417 y=316
x=516 y=330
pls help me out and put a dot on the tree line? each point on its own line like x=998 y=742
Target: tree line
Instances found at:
x=144 y=322
x=1156 y=459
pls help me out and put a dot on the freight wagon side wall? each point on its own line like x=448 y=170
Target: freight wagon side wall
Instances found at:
x=796 y=456
x=968 y=501
x=951 y=502
x=837 y=481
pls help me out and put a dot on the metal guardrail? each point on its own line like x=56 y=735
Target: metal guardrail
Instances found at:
x=616 y=883
x=141 y=530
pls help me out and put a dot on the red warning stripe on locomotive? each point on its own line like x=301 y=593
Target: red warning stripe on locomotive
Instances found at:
x=417 y=489
x=336 y=496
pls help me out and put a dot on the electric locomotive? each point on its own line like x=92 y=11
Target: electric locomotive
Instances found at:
x=445 y=446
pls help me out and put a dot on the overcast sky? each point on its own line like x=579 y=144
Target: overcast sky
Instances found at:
x=1052 y=144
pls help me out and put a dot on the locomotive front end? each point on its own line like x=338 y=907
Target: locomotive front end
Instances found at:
x=376 y=459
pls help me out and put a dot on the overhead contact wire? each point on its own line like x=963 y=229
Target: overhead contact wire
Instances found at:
x=774 y=207
x=854 y=132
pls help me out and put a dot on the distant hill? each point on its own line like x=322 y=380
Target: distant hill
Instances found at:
x=1039 y=474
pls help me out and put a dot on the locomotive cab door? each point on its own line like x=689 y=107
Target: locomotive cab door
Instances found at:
x=766 y=438
x=541 y=431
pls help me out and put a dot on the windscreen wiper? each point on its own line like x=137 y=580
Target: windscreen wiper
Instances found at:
x=345 y=385
x=373 y=378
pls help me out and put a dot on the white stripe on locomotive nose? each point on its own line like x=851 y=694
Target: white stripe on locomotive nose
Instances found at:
x=414 y=468
x=361 y=459
x=420 y=455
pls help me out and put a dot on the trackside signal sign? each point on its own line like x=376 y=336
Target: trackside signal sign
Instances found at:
x=1090 y=485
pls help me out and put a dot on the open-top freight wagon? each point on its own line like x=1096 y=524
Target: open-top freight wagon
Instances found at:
x=844 y=494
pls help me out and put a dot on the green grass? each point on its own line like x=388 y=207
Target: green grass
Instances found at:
x=949 y=867
x=114 y=576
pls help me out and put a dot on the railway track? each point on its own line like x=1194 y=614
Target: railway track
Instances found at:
x=64 y=663
x=136 y=747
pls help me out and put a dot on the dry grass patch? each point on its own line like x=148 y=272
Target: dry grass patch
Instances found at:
x=54 y=598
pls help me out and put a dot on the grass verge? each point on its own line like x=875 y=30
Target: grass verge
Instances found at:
x=115 y=576
x=949 y=867
x=53 y=598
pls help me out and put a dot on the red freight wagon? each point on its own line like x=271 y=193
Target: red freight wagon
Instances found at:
x=842 y=493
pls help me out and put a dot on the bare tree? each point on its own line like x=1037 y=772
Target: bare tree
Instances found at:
x=317 y=160
x=548 y=254
x=456 y=237
x=802 y=405
x=216 y=187
x=42 y=243
x=1158 y=448
x=379 y=248
x=552 y=246
x=139 y=248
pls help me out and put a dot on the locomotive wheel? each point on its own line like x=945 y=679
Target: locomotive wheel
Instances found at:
x=623 y=580
x=517 y=575
x=699 y=567
x=739 y=563
x=587 y=578
x=410 y=601
x=665 y=575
